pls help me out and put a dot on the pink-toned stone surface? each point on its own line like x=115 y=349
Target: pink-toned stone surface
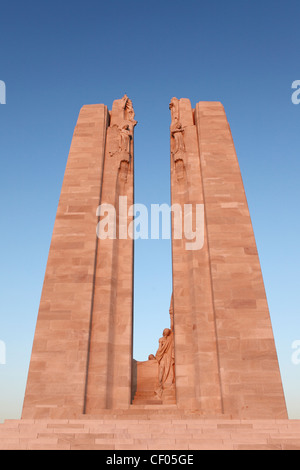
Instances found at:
x=110 y=359
x=57 y=372
x=82 y=350
x=225 y=354
x=196 y=355
x=142 y=429
x=249 y=372
x=147 y=385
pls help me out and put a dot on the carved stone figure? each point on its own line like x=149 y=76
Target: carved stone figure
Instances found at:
x=126 y=104
x=124 y=100
x=129 y=111
x=166 y=360
x=120 y=131
x=177 y=133
x=174 y=108
x=124 y=140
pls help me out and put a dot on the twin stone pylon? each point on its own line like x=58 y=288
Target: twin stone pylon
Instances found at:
x=225 y=356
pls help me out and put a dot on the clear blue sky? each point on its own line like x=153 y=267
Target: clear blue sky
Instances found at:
x=57 y=56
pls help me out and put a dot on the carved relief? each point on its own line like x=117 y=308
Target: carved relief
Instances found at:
x=128 y=108
x=125 y=137
x=177 y=131
x=174 y=108
x=177 y=141
x=121 y=130
x=179 y=169
x=166 y=360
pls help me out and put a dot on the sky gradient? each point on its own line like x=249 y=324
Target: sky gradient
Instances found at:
x=58 y=56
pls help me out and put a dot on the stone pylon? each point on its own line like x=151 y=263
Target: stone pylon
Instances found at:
x=225 y=355
x=82 y=350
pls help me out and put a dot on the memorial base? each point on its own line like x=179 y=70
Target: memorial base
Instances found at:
x=146 y=427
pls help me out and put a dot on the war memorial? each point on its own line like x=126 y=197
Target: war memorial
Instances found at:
x=214 y=381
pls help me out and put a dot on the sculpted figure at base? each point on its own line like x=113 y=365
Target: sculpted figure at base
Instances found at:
x=166 y=360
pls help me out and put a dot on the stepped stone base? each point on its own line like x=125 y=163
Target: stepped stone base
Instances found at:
x=150 y=427
x=147 y=386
